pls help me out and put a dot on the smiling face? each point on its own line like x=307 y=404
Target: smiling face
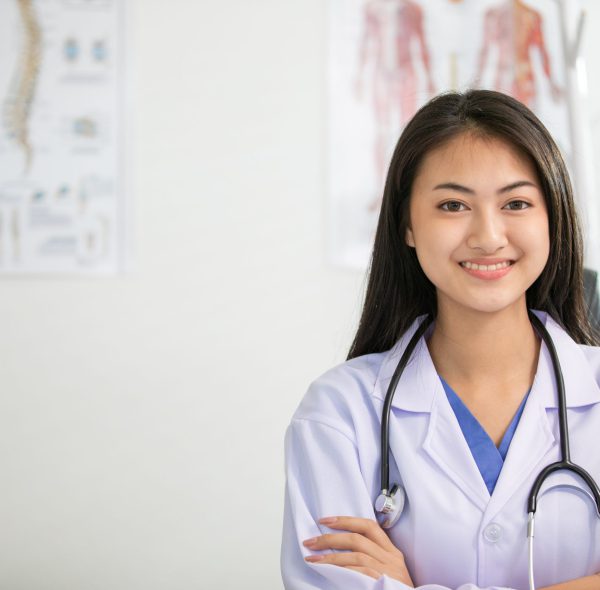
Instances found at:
x=479 y=224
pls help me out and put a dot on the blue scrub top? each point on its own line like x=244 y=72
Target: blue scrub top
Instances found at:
x=488 y=457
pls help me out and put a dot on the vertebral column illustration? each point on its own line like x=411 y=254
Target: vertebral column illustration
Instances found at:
x=17 y=108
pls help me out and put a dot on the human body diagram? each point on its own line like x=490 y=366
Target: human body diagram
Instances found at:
x=396 y=65
x=392 y=28
x=517 y=31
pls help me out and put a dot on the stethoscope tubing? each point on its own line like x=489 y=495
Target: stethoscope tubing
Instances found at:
x=386 y=501
x=385 y=416
x=564 y=464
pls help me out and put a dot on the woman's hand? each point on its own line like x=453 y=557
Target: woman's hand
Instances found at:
x=587 y=583
x=366 y=549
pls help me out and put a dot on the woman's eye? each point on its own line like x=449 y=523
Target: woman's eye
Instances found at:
x=453 y=206
x=517 y=205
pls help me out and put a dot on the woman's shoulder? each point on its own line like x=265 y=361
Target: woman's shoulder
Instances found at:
x=340 y=395
x=350 y=394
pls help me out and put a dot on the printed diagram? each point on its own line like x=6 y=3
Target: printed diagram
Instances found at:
x=17 y=106
x=391 y=30
x=516 y=30
x=73 y=50
x=386 y=58
x=62 y=185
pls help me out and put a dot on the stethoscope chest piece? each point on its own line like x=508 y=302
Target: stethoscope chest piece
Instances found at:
x=389 y=506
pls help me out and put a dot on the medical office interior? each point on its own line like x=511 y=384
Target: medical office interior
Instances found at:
x=150 y=364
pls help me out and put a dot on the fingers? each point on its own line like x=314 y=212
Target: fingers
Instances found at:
x=348 y=559
x=348 y=542
x=393 y=567
x=364 y=526
x=365 y=548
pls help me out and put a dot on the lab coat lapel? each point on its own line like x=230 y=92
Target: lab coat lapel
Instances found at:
x=446 y=445
x=420 y=391
x=531 y=443
x=534 y=438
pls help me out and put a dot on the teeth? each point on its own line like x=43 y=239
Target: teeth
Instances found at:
x=489 y=267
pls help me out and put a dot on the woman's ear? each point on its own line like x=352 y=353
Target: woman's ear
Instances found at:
x=409 y=238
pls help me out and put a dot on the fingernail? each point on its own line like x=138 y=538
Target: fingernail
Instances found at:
x=312 y=541
x=314 y=558
x=328 y=520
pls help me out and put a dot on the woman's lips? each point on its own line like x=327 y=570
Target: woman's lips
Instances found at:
x=488 y=272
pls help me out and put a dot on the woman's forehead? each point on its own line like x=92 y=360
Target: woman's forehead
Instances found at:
x=473 y=154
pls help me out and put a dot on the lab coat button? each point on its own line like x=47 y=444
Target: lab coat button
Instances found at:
x=492 y=532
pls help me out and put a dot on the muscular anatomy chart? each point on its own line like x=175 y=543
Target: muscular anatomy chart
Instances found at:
x=516 y=29
x=62 y=187
x=387 y=57
x=391 y=28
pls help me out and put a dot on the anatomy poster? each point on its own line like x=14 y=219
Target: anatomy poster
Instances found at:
x=62 y=183
x=388 y=57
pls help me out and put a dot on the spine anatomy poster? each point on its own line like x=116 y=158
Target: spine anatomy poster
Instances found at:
x=62 y=137
x=388 y=57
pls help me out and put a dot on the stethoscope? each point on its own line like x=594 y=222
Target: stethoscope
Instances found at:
x=390 y=502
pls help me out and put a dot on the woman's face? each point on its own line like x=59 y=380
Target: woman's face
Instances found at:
x=479 y=224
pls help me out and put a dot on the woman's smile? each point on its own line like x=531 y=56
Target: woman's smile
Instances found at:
x=488 y=272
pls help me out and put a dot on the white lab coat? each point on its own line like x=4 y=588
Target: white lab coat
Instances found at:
x=452 y=533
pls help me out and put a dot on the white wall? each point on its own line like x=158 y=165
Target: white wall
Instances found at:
x=142 y=417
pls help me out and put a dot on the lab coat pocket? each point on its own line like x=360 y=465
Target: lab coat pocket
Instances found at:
x=567 y=530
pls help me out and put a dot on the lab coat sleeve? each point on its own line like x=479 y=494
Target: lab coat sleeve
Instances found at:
x=323 y=478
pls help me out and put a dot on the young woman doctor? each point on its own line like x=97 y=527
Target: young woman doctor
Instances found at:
x=477 y=227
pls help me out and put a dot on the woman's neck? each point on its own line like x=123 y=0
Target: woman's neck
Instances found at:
x=475 y=347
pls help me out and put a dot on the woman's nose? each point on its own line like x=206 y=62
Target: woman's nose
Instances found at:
x=487 y=232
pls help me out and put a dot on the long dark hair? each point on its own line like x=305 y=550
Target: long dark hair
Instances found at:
x=398 y=290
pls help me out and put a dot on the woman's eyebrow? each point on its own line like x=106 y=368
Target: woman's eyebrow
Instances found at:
x=514 y=185
x=453 y=186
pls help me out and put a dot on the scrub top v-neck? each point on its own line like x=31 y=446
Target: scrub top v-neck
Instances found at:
x=488 y=457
